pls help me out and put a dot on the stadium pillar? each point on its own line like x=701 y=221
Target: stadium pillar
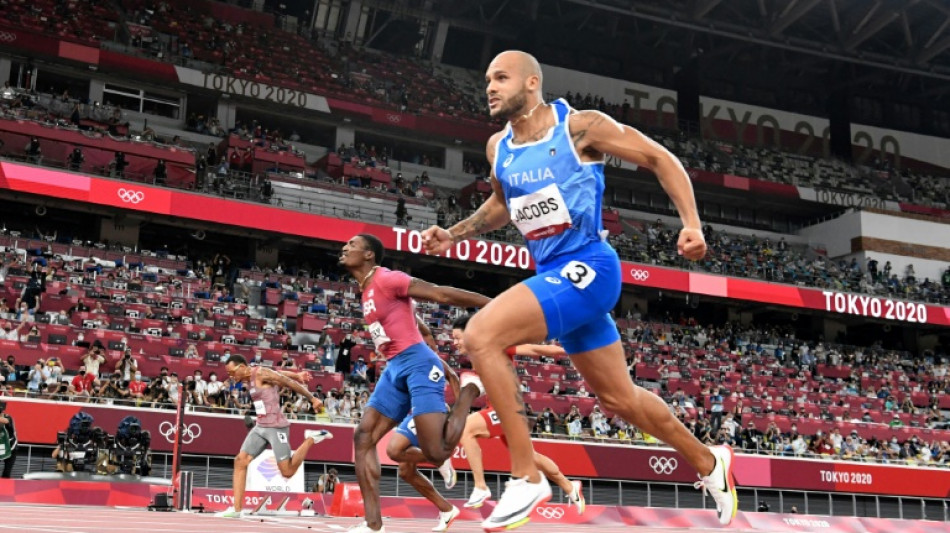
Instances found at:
x=119 y=229
x=438 y=44
x=839 y=117
x=487 y=46
x=351 y=26
x=688 y=109
x=97 y=91
x=5 y=66
x=345 y=135
x=453 y=160
x=227 y=113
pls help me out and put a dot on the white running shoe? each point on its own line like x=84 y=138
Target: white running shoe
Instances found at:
x=721 y=484
x=471 y=377
x=448 y=474
x=577 y=497
x=478 y=498
x=446 y=518
x=231 y=513
x=363 y=528
x=516 y=504
x=317 y=435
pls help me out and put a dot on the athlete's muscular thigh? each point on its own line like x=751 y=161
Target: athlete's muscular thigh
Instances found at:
x=513 y=317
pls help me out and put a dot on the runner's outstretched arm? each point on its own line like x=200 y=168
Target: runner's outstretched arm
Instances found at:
x=443 y=294
x=269 y=376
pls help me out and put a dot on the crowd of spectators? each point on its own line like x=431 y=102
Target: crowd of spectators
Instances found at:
x=711 y=376
x=876 y=177
x=778 y=261
x=229 y=174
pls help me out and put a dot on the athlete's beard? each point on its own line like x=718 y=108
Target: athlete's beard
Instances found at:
x=514 y=108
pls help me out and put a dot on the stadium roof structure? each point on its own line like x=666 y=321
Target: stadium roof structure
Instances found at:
x=885 y=45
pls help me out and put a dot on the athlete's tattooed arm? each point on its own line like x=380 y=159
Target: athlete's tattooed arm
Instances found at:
x=595 y=134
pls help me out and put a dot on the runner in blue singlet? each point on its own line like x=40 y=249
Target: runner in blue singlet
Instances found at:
x=548 y=179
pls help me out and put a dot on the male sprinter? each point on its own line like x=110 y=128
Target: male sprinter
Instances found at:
x=548 y=179
x=272 y=427
x=485 y=425
x=403 y=448
x=414 y=377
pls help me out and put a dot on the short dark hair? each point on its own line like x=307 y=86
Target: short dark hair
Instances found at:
x=375 y=246
x=238 y=360
x=461 y=322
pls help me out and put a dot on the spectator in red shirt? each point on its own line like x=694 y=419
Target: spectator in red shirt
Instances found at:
x=235 y=158
x=822 y=445
x=81 y=384
x=137 y=387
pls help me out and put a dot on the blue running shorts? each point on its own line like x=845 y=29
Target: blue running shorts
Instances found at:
x=577 y=293
x=413 y=380
x=407 y=428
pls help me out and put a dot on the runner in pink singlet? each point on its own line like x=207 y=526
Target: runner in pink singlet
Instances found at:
x=272 y=428
x=414 y=377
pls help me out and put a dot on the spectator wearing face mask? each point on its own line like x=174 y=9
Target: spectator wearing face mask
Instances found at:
x=92 y=359
x=286 y=362
x=81 y=384
x=215 y=390
x=137 y=388
x=126 y=366
x=13 y=334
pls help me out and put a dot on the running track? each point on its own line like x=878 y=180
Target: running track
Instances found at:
x=76 y=519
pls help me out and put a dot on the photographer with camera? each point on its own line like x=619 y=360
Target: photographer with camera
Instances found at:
x=8 y=371
x=127 y=366
x=94 y=357
x=156 y=395
x=326 y=483
x=75 y=159
x=8 y=441
x=113 y=389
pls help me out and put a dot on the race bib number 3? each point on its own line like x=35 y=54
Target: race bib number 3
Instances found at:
x=540 y=214
x=578 y=273
x=378 y=334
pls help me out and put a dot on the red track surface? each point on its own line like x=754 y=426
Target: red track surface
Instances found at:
x=74 y=519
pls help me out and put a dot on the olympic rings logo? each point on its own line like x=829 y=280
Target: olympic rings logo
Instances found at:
x=130 y=196
x=7 y=37
x=168 y=430
x=551 y=513
x=663 y=465
x=639 y=275
x=393 y=118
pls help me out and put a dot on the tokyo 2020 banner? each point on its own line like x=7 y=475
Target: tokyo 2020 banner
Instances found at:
x=181 y=204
